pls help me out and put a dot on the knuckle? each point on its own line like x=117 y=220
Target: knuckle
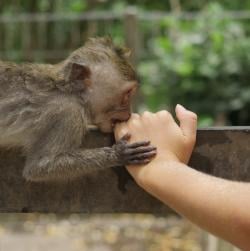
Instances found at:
x=164 y=114
x=146 y=114
x=134 y=119
x=120 y=146
x=135 y=116
x=134 y=123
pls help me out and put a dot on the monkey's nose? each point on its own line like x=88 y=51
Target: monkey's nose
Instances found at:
x=128 y=116
x=122 y=118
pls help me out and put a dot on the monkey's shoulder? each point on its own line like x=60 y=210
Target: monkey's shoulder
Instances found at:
x=67 y=105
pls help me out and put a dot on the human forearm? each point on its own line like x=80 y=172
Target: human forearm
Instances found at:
x=219 y=206
x=211 y=203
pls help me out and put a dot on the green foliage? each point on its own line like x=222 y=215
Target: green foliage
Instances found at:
x=203 y=64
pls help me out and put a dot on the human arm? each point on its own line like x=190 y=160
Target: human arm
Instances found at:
x=219 y=206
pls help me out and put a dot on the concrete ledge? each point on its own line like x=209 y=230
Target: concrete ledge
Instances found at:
x=222 y=152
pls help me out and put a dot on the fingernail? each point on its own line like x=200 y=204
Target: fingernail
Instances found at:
x=181 y=107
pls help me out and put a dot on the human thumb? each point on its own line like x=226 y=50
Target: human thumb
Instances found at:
x=188 y=122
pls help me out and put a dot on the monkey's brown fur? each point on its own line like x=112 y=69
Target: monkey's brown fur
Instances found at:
x=46 y=108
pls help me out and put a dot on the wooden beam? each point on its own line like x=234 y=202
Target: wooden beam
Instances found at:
x=222 y=152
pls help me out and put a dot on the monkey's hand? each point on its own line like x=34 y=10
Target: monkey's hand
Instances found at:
x=135 y=153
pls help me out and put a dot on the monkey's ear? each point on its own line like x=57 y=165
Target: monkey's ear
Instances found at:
x=78 y=71
x=127 y=52
x=123 y=51
x=78 y=74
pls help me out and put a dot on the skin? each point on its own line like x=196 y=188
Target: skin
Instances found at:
x=216 y=205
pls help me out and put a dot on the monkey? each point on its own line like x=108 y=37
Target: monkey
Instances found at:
x=46 y=110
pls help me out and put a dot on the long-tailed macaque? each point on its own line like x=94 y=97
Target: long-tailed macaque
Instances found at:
x=46 y=109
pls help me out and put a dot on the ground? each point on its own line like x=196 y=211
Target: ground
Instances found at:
x=40 y=232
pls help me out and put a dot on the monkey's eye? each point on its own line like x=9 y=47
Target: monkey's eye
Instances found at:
x=126 y=96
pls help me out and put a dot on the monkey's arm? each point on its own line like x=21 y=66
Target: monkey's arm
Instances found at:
x=72 y=164
x=57 y=153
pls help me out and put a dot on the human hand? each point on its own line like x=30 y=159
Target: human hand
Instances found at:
x=173 y=142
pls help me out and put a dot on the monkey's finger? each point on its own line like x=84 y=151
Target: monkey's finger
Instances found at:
x=143 y=156
x=138 y=144
x=126 y=137
x=139 y=162
x=143 y=149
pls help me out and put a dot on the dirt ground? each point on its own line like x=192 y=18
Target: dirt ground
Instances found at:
x=40 y=232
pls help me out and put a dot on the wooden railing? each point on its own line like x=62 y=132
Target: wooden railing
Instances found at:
x=223 y=152
x=51 y=36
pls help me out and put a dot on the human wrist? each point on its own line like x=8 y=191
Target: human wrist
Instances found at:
x=151 y=173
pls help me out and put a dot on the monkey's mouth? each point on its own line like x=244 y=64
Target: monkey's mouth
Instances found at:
x=114 y=121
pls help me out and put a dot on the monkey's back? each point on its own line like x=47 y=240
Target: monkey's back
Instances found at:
x=28 y=94
x=29 y=76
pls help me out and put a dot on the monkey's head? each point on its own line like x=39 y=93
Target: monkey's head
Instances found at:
x=102 y=72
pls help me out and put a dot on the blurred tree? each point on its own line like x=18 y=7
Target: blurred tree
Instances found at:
x=80 y=5
x=203 y=64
